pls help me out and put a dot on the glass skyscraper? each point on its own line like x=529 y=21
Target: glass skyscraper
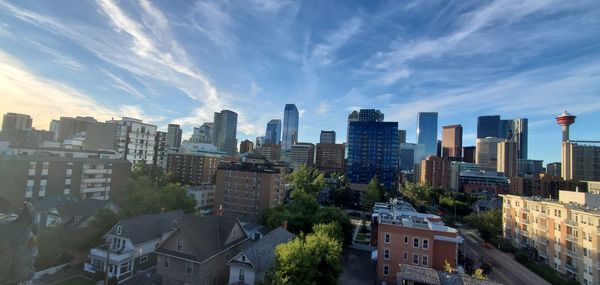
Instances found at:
x=273 y=133
x=373 y=150
x=224 y=134
x=515 y=130
x=290 y=127
x=427 y=125
x=488 y=126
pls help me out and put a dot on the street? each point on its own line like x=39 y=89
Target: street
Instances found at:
x=504 y=268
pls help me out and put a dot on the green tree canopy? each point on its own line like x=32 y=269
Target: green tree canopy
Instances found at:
x=375 y=193
x=306 y=179
x=488 y=223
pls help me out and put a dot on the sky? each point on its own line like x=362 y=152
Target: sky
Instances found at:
x=180 y=61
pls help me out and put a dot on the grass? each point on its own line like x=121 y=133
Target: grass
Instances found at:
x=547 y=273
x=362 y=238
x=76 y=281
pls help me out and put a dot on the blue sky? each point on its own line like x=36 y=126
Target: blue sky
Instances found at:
x=179 y=61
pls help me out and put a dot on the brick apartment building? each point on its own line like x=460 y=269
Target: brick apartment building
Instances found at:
x=330 y=157
x=435 y=172
x=193 y=168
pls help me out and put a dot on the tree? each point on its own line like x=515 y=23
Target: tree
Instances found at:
x=488 y=223
x=478 y=273
x=310 y=259
x=306 y=179
x=375 y=193
x=335 y=215
x=447 y=267
x=332 y=229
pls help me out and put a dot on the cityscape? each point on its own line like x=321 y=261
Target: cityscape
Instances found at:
x=125 y=161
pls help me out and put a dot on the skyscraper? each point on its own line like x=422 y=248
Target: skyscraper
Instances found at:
x=14 y=121
x=290 y=126
x=224 y=133
x=203 y=134
x=370 y=115
x=516 y=130
x=468 y=154
x=246 y=146
x=327 y=137
x=273 y=133
x=173 y=136
x=427 y=123
x=409 y=155
x=353 y=117
x=507 y=158
x=488 y=126
x=486 y=153
x=401 y=136
x=452 y=141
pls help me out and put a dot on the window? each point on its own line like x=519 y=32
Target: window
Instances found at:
x=425 y=260
x=405 y=255
x=179 y=245
x=242 y=275
x=425 y=244
x=386 y=254
x=416 y=243
x=386 y=270
x=405 y=239
x=119 y=230
x=387 y=238
x=144 y=259
x=415 y=259
x=166 y=262
x=189 y=267
x=243 y=257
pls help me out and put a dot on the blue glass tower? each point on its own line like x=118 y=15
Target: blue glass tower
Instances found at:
x=373 y=150
x=273 y=133
x=427 y=125
x=489 y=126
x=290 y=126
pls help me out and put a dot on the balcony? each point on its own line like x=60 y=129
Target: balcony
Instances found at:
x=571 y=252
x=570 y=223
x=543 y=241
x=572 y=267
x=571 y=238
x=95 y=189
x=93 y=180
x=543 y=253
x=542 y=228
x=95 y=171
x=116 y=256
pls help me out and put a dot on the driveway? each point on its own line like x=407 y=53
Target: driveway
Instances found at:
x=504 y=268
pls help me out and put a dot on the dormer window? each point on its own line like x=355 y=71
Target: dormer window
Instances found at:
x=119 y=230
x=243 y=257
x=179 y=245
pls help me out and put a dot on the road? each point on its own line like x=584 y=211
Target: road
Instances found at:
x=504 y=268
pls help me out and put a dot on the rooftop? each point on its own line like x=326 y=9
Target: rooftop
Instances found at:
x=569 y=202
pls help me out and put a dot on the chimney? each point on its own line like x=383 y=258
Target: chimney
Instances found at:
x=284 y=224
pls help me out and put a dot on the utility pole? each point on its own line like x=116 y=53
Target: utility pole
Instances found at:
x=106 y=266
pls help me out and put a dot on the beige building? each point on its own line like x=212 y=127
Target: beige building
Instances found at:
x=580 y=160
x=507 y=158
x=486 y=153
x=564 y=232
x=435 y=172
x=452 y=141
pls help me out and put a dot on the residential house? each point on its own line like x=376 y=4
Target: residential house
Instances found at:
x=66 y=211
x=250 y=265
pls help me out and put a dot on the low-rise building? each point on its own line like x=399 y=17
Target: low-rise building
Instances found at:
x=405 y=237
x=540 y=185
x=484 y=183
x=563 y=233
x=204 y=195
x=68 y=212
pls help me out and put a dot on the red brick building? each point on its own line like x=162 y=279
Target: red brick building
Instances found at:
x=330 y=157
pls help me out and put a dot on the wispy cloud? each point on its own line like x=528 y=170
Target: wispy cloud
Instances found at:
x=324 y=53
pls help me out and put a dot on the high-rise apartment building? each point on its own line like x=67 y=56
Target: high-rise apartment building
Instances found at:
x=427 y=124
x=468 y=154
x=563 y=232
x=55 y=128
x=160 y=150
x=246 y=146
x=370 y=115
x=15 y=121
x=352 y=117
x=134 y=139
x=327 y=137
x=486 y=153
x=405 y=237
x=435 y=172
x=194 y=164
x=373 y=150
x=273 y=133
x=409 y=155
x=269 y=151
x=71 y=126
x=203 y=134
x=529 y=167
x=302 y=153
x=540 y=185
x=401 y=136
x=581 y=160
x=553 y=169
x=246 y=187
x=330 y=157
x=515 y=130
x=507 y=158
x=290 y=126
x=452 y=141
x=173 y=136
x=225 y=130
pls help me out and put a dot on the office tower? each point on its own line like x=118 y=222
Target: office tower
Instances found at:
x=55 y=128
x=260 y=141
x=160 y=150
x=194 y=164
x=330 y=158
x=302 y=153
x=580 y=160
x=427 y=123
x=553 y=169
x=71 y=126
x=134 y=139
x=565 y=227
x=273 y=133
x=224 y=132
x=409 y=155
x=507 y=158
x=173 y=136
x=458 y=167
x=528 y=167
x=401 y=136
x=468 y=154
x=452 y=141
x=32 y=175
x=246 y=187
x=353 y=117
x=486 y=153
x=246 y=146
x=488 y=126
x=14 y=121
x=373 y=150
x=290 y=126
x=202 y=134
x=327 y=137
x=404 y=237
x=516 y=130
x=435 y=172
x=370 y=115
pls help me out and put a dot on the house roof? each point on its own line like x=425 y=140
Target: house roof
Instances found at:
x=262 y=252
x=49 y=202
x=82 y=208
x=206 y=235
x=148 y=227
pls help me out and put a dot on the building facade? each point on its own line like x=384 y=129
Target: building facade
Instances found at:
x=15 y=121
x=160 y=150
x=486 y=153
x=507 y=158
x=427 y=124
x=554 y=168
x=203 y=134
x=435 y=172
x=488 y=127
x=173 y=136
x=330 y=158
x=409 y=155
x=540 y=185
x=302 y=153
x=246 y=146
x=225 y=131
x=134 y=139
x=468 y=154
x=270 y=151
x=291 y=118
x=581 y=160
x=327 y=137
x=452 y=141
x=194 y=164
x=273 y=133
x=529 y=167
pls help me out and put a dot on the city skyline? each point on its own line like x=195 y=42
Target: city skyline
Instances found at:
x=143 y=60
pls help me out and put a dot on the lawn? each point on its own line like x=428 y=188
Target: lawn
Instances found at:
x=363 y=238
x=77 y=281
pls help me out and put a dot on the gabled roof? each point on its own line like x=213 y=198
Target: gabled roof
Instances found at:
x=49 y=202
x=206 y=235
x=148 y=227
x=261 y=254
x=83 y=208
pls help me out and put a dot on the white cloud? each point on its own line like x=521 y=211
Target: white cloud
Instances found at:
x=324 y=53
x=323 y=108
x=254 y=89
